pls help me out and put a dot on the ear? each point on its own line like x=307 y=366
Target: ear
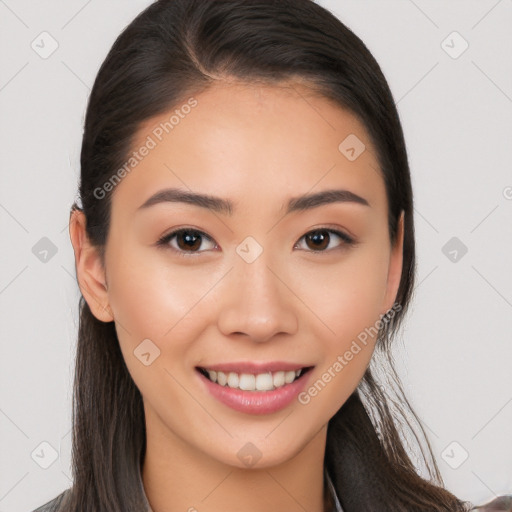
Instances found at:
x=89 y=269
x=395 y=265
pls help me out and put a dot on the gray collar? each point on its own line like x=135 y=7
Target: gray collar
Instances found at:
x=333 y=492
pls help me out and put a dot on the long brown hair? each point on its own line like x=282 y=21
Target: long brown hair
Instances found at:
x=172 y=50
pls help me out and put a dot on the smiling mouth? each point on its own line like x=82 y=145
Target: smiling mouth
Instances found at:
x=268 y=381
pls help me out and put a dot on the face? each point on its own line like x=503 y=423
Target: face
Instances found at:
x=259 y=280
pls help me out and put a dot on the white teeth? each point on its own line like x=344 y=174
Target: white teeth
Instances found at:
x=289 y=377
x=233 y=380
x=278 y=379
x=249 y=382
x=264 y=382
x=222 y=378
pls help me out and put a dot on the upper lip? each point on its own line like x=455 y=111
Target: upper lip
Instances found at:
x=254 y=367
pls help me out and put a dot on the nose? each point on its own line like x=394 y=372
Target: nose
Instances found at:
x=259 y=302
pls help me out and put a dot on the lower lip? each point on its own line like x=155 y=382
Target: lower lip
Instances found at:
x=256 y=402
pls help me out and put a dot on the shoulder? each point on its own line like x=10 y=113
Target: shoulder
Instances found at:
x=54 y=504
x=499 y=504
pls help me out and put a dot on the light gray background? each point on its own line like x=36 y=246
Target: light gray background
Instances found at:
x=456 y=351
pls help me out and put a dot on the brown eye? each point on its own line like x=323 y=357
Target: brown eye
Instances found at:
x=187 y=241
x=319 y=239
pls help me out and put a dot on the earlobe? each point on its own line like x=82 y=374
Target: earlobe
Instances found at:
x=395 y=265
x=89 y=269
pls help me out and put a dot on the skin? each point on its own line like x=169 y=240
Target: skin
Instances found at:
x=258 y=146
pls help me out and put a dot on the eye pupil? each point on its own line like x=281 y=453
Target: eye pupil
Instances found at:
x=191 y=238
x=319 y=236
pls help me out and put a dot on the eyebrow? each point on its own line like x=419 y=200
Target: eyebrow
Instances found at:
x=226 y=207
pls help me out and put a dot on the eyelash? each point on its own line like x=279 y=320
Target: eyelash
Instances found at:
x=165 y=239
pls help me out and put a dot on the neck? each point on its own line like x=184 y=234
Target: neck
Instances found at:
x=176 y=476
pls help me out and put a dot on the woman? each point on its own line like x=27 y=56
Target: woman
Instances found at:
x=245 y=252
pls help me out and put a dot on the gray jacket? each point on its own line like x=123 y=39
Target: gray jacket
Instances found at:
x=499 y=504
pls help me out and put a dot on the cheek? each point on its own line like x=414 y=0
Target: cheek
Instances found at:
x=348 y=302
x=159 y=302
x=150 y=295
x=347 y=297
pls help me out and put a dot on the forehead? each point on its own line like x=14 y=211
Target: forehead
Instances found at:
x=247 y=140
